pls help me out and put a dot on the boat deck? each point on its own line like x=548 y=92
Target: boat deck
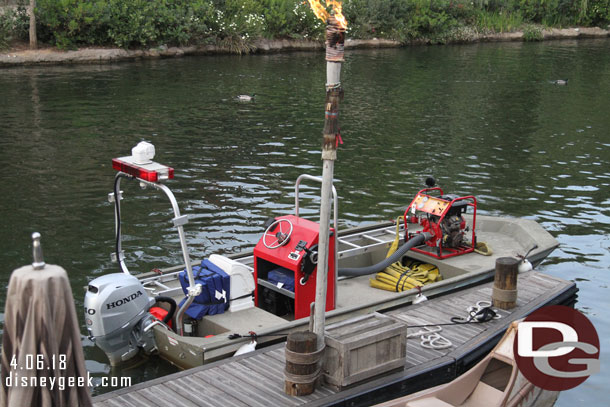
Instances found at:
x=256 y=379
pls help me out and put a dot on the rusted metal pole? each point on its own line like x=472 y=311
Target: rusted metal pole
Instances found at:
x=335 y=37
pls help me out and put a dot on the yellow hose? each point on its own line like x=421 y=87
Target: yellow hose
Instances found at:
x=397 y=277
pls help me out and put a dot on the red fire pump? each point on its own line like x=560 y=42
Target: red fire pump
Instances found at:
x=442 y=217
x=285 y=265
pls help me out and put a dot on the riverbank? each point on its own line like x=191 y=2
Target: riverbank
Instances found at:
x=17 y=57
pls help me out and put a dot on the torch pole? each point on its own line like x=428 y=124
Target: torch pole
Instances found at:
x=335 y=36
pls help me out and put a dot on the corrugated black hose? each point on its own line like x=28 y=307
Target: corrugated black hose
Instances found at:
x=417 y=240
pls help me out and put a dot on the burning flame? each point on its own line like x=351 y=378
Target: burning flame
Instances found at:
x=337 y=9
x=320 y=11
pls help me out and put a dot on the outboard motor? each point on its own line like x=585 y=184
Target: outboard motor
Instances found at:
x=116 y=314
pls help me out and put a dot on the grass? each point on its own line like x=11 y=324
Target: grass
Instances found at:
x=499 y=21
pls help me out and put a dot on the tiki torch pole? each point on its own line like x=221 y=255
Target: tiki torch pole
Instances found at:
x=335 y=36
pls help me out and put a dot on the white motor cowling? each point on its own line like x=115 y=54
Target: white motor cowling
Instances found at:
x=116 y=313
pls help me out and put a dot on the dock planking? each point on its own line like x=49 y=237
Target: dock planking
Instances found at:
x=256 y=379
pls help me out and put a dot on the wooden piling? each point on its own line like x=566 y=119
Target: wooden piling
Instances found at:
x=302 y=367
x=504 y=292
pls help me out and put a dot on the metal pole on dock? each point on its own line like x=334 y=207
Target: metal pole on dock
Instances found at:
x=335 y=36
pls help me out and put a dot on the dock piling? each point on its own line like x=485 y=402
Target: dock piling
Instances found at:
x=504 y=292
x=302 y=363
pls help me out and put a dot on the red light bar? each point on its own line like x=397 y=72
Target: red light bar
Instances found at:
x=152 y=172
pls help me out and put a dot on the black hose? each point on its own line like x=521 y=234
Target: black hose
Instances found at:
x=172 y=307
x=363 y=271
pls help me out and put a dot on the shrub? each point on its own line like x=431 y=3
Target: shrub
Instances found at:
x=235 y=23
x=499 y=20
x=532 y=32
x=379 y=18
x=594 y=12
x=14 y=25
x=291 y=19
x=67 y=23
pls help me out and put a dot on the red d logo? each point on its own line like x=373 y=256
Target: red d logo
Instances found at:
x=557 y=348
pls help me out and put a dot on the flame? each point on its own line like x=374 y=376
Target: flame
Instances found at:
x=320 y=11
x=337 y=9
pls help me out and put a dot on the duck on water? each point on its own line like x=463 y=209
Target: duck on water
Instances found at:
x=245 y=98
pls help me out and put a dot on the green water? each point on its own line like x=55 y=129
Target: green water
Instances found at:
x=484 y=119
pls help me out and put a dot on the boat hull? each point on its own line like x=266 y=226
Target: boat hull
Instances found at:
x=493 y=382
x=505 y=236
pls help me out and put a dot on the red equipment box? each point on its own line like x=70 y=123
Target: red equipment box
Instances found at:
x=290 y=256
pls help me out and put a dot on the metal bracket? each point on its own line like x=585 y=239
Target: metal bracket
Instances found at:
x=111 y=196
x=181 y=220
x=194 y=291
x=114 y=258
x=156 y=322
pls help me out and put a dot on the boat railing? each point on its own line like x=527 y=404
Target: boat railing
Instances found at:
x=353 y=244
x=335 y=216
x=179 y=221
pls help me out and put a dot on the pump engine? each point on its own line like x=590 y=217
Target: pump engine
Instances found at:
x=442 y=216
x=116 y=314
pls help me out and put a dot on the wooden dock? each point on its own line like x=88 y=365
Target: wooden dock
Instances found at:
x=256 y=379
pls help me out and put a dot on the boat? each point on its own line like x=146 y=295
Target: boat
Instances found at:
x=206 y=310
x=494 y=381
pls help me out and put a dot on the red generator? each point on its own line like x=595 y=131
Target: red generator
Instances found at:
x=442 y=217
x=285 y=265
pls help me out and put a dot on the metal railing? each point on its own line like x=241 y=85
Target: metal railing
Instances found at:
x=335 y=218
x=179 y=221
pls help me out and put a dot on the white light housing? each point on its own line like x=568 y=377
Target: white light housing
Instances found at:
x=143 y=153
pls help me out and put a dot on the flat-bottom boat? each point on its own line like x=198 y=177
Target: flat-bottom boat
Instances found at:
x=190 y=314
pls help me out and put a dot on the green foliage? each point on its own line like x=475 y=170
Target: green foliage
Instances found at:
x=499 y=21
x=430 y=18
x=238 y=20
x=124 y=23
x=236 y=23
x=594 y=12
x=549 y=12
x=378 y=18
x=532 y=32
x=434 y=20
x=290 y=19
x=139 y=23
x=68 y=22
x=14 y=25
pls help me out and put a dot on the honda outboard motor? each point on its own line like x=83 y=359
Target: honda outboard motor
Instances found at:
x=116 y=314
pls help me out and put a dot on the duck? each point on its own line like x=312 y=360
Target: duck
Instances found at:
x=246 y=98
x=560 y=82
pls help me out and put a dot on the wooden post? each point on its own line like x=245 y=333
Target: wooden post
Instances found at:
x=33 y=39
x=302 y=367
x=504 y=294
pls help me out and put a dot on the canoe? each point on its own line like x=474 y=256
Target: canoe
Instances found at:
x=494 y=381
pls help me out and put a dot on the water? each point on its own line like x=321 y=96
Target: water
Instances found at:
x=484 y=119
